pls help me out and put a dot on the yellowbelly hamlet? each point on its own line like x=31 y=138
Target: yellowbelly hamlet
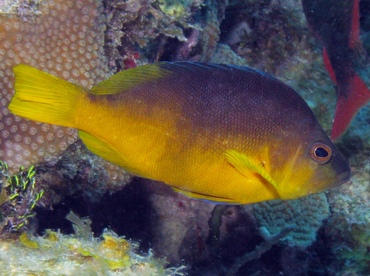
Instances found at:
x=216 y=132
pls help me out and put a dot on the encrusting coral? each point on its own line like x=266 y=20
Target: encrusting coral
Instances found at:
x=225 y=55
x=61 y=40
x=305 y=214
x=79 y=171
x=269 y=241
x=78 y=254
x=22 y=8
x=347 y=230
x=136 y=25
x=189 y=226
x=65 y=38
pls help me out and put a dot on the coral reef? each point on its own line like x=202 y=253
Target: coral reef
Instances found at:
x=179 y=10
x=84 y=41
x=162 y=30
x=223 y=54
x=65 y=39
x=145 y=22
x=348 y=228
x=18 y=198
x=259 y=31
x=210 y=35
x=183 y=225
x=78 y=254
x=305 y=214
x=78 y=171
x=269 y=241
x=22 y=8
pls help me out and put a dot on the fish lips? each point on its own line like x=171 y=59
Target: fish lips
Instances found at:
x=341 y=167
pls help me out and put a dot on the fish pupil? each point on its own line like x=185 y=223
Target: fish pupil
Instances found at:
x=321 y=152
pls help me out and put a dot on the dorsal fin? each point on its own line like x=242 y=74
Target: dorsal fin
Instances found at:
x=186 y=66
x=127 y=79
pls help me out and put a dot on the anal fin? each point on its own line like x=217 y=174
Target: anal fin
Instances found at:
x=204 y=197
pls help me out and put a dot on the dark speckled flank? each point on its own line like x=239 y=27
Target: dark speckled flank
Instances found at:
x=195 y=127
x=233 y=100
x=218 y=107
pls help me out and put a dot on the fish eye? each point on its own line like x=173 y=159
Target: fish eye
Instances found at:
x=321 y=153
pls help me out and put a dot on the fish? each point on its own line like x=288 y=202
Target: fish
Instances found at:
x=336 y=23
x=220 y=133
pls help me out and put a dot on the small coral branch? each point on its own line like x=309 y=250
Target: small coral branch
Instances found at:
x=269 y=241
x=18 y=198
x=176 y=271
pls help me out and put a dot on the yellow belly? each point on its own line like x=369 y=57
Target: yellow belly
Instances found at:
x=154 y=147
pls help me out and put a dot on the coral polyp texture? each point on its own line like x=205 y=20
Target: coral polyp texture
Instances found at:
x=65 y=39
x=305 y=215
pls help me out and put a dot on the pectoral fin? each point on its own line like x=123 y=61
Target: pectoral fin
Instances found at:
x=245 y=165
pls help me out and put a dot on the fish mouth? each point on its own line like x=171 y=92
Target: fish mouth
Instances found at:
x=342 y=170
x=343 y=177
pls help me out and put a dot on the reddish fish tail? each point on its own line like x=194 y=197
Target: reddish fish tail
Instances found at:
x=355 y=25
x=348 y=104
x=328 y=66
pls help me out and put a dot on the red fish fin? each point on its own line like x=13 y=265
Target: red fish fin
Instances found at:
x=348 y=104
x=354 y=39
x=328 y=66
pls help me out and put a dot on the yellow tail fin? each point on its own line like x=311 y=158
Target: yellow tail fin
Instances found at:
x=45 y=98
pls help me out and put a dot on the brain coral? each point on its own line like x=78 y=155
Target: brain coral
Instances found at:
x=306 y=214
x=65 y=40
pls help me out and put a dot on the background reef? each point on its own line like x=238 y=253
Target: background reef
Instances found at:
x=149 y=226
